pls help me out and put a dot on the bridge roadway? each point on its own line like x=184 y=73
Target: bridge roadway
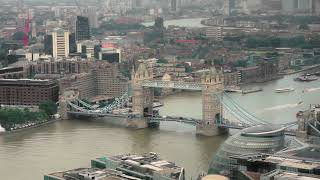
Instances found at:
x=191 y=121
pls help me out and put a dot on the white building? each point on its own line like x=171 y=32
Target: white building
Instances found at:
x=60 y=43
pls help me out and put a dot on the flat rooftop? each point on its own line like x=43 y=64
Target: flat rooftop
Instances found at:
x=91 y=173
x=147 y=164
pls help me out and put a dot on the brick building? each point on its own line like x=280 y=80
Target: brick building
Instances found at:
x=104 y=81
x=27 y=91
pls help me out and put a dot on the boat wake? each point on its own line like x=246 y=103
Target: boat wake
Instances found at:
x=311 y=89
x=284 y=106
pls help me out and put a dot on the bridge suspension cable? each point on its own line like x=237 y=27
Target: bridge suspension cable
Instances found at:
x=245 y=113
x=239 y=116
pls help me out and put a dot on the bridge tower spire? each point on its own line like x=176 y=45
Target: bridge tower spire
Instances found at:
x=142 y=97
x=212 y=111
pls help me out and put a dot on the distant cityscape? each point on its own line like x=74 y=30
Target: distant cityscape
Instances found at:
x=117 y=62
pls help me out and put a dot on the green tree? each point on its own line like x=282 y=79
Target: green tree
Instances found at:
x=18 y=36
x=162 y=61
x=49 y=107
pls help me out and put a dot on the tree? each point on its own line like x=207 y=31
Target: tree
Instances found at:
x=18 y=36
x=49 y=107
x=162 y=61
x=304 y=26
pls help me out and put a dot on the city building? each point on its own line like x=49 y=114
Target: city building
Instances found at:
x=226 y=8
x=316 y=7
x=27 y=92
x=58 y=67
x=257 y=139
x=289 y=6
x=104 y=81
x=147 y=166
x=88 y=173
x=49 y=43
x=60 y=43
x=214 y=33
x=82 y=28
x=13 y=73
x=92 y=14
x=119 y=6
x=112 y=55
x=264 y=71
x=173 y=5
x=124 y=167
x=295 y=163
x=305 y=6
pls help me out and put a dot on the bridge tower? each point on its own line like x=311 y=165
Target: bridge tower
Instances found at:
x=212 y=111
x=142 y=97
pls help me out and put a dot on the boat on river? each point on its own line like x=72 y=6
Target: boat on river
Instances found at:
x=306 y=78
x=283 y=90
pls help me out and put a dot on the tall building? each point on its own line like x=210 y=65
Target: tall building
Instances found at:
x=316 y=7
x=60 y=43
x=305 y=6
x=226 y=8
x=48 y=44
x=173 y=5
x=91 y=13
x=82 y=28
x=289 y=6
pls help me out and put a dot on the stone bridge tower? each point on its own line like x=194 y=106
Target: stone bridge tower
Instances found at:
x=212 y=91
x=142 y=98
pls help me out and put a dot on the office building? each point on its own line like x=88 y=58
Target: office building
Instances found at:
x=316 y=7
x=82 y=28
x=305 y=6
x=49 y=44
x=27 y=92
x=92 y=14
x=173 y=5
x=60 y=43
x=112 y=55
x=226 y=8
x=289 y=6
x=214 y=33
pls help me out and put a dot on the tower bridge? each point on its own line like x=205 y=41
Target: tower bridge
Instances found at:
x=219 y=111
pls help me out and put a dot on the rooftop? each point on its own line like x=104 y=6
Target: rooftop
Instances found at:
x=147 y=165
x=91 y=173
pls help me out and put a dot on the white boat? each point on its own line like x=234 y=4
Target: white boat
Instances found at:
x=283 y=90
x=2 y=130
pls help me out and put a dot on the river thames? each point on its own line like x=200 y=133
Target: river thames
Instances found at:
x=71 y=144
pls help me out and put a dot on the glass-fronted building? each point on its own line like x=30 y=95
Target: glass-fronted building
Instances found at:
x=253 y=140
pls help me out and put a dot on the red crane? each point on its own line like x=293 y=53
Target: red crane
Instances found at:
x=26 y=32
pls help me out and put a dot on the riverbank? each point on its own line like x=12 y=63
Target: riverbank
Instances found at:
x=306 y=68
x=31 y=126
